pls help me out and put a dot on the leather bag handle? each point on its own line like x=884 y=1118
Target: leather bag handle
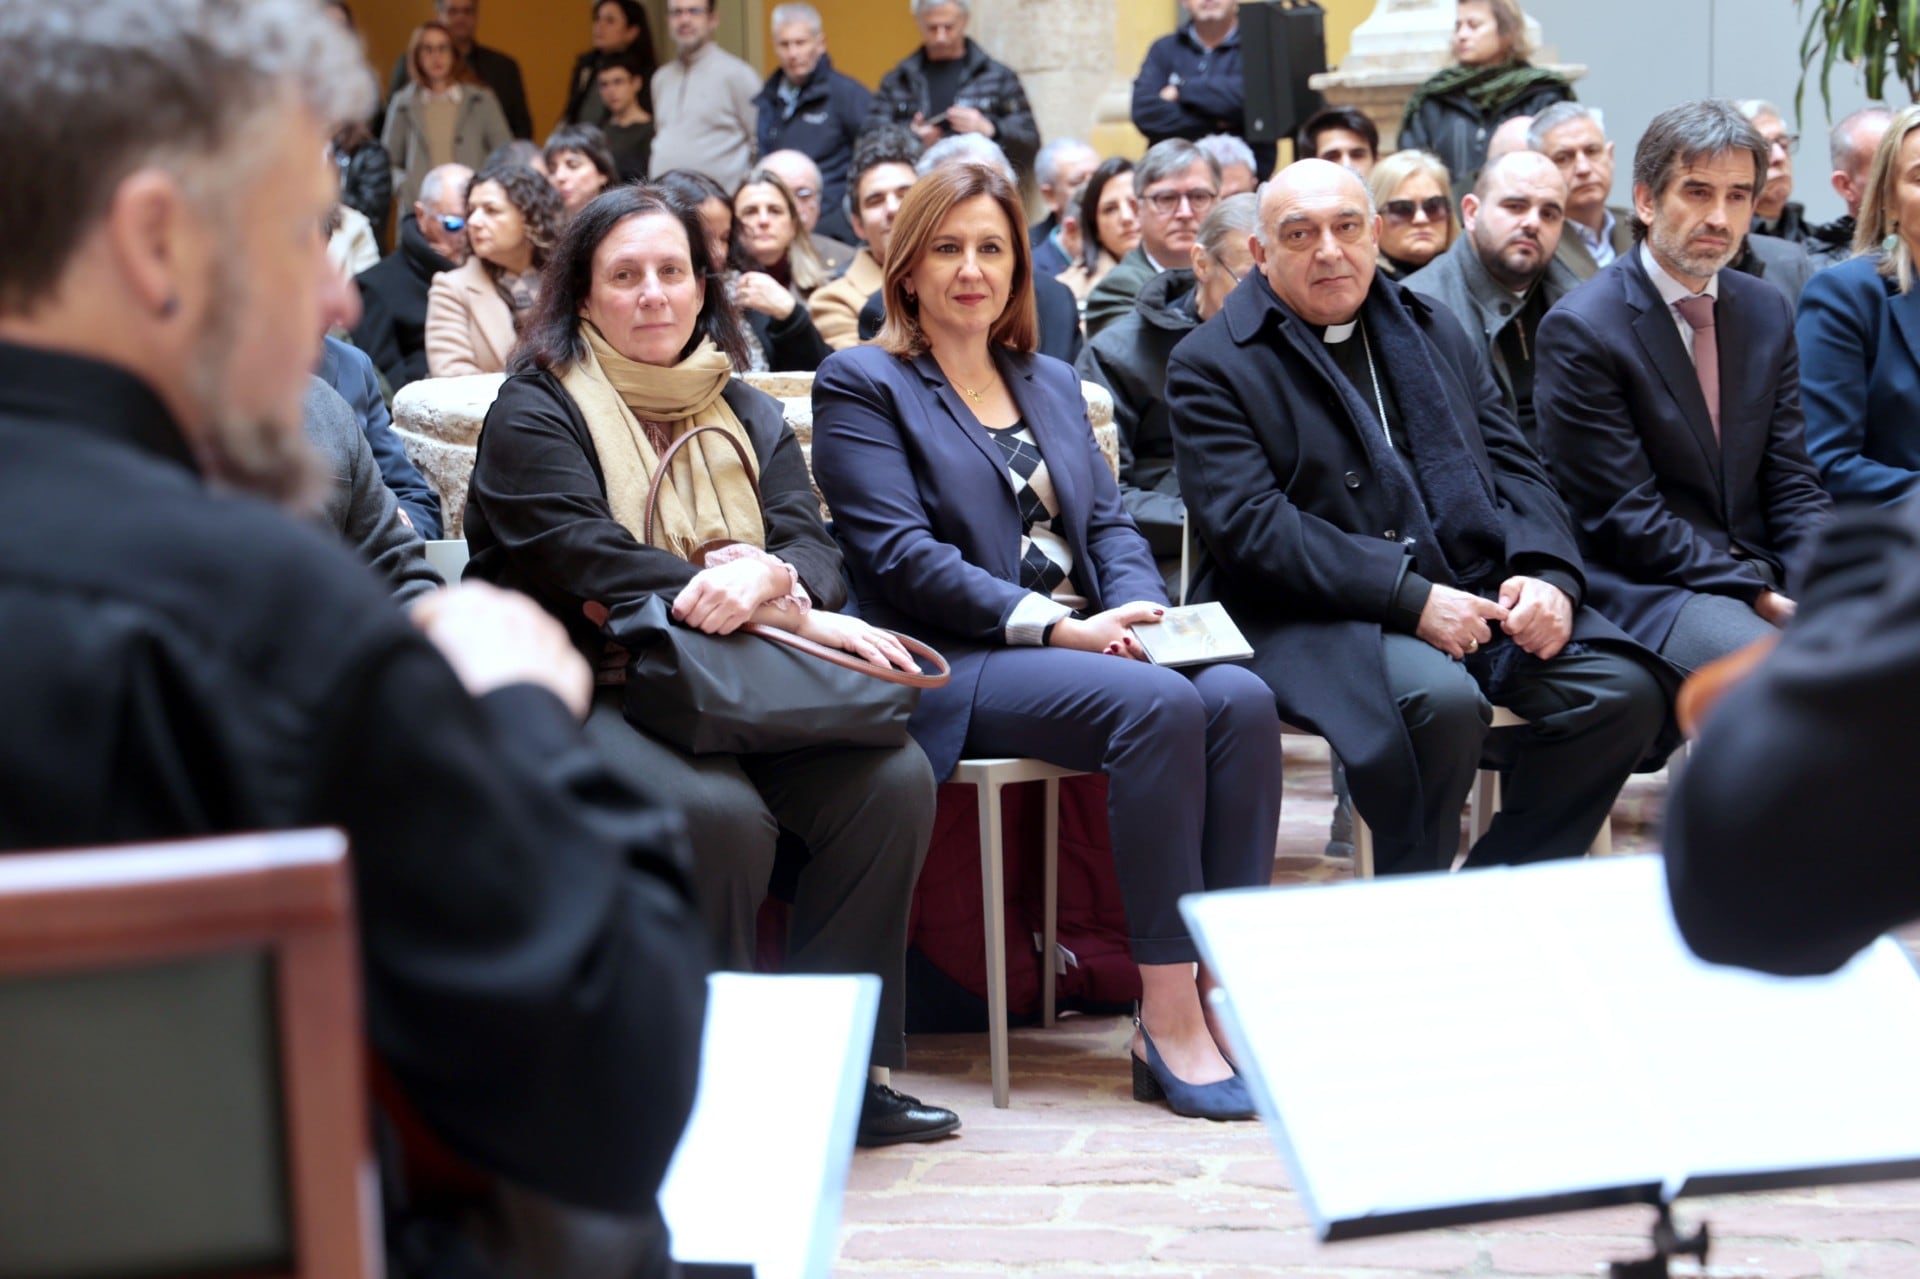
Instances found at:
x=666 y=461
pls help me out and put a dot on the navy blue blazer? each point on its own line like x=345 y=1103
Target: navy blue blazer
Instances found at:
x=1860 y=381
x=1664 y=509
x=349 y=371
x=922 y=505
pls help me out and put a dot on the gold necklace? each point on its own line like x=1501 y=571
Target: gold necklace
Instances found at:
x=975 y=395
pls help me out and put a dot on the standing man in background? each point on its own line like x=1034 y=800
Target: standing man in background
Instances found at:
x=808 y=107
x=949 y=85
x=1191 y=83
x=703 y=101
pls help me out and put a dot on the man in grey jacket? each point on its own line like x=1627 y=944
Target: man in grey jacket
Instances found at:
x=360 y=507
x=1502 y=275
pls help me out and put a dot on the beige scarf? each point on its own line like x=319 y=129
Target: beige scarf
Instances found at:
x=708 y=497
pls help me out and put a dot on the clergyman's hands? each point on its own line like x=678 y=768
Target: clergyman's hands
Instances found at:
x=1539 y=615
x=1455 y=622
x=493 y=638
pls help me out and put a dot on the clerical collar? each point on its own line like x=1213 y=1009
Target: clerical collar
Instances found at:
x=1335 y=334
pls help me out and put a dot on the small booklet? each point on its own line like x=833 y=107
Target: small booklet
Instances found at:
x=1192 y=634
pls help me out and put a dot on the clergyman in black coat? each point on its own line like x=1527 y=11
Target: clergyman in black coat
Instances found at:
x=1396 y=583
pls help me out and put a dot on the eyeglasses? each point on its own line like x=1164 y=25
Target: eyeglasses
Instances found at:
x=450 y=223
x=1232 y=274
x=1166 y=202
x=1402 y=211
x=804 y=193
x=1789 y=142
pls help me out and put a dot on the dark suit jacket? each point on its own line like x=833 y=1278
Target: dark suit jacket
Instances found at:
x=1795 y=874
x=1664 y=509
x=921 y=502
x=1298 y=539
x=1860 y=381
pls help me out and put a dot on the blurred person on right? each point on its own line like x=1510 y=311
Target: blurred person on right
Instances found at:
x=1860 y=366
x=187 y=657
x=1668 y=395
x=1417 y=222
x=1789 y=834
x=475 y=312
x=1455 y=112
x=1852 y=145
x=1176 y=184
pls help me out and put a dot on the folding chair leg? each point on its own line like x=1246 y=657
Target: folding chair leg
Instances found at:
x=1050 y=924
x=993 y=911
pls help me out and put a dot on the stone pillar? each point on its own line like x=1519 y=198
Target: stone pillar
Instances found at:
x=1398 y=46
x=1077 y=59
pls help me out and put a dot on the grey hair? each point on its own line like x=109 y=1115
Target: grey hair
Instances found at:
x=434 y=185
x=177 y=85
x=1693 y=131
x=1168 y=157
x=1754 y=108
x=921 y=6
x=1558 y=114
x=971 y=147
x=1847 y=158
x=1046 y=165
x=1231 y=221
x=1228 y=150
x=785 y=14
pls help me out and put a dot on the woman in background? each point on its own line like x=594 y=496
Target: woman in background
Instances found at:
x=475 y=312
x=1456 y=111
x=443 y=115
x=578 y=164
x=1109 y=226
x=1417 y=222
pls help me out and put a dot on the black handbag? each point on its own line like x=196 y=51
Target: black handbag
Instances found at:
x=760 y=689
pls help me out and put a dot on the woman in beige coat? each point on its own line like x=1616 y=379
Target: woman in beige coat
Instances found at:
x=474 y=312
x=443 y=115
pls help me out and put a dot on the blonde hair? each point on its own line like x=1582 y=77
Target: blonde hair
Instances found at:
x=925 y=207
x=804 y=264
x=1511 y=23
x=1879 y=219
x=1390 y=174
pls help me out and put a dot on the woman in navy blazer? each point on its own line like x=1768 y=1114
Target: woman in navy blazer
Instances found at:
x=1859 y=335
x=926 y=447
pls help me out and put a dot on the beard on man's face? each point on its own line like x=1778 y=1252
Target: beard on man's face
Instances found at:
x=266 y=454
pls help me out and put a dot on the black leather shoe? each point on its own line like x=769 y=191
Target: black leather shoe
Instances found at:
x=888 y=1117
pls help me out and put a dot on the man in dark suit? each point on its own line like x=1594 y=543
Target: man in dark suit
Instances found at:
x=1668 y=396
x=1392 y=548
x=1573 y=136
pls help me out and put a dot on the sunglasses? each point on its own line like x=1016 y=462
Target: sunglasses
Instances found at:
x=451 y=223
x=1402 y=211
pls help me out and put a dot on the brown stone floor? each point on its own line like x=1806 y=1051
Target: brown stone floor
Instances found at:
x=1077 y=1179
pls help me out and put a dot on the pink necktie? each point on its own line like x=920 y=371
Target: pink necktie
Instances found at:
x=1698 y=311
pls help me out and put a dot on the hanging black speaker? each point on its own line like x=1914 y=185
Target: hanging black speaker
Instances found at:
x=1282 y=42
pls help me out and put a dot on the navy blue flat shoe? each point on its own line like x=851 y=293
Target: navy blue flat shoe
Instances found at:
x=1152 y=1081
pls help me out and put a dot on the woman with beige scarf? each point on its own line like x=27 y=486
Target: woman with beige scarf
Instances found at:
x=630 y=347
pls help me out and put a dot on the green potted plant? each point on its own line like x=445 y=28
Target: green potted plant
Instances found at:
x=1880 y=37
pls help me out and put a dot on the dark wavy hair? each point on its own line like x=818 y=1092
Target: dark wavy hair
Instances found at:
x=589 y=141
x=693 y=190
x=534 y=197
x=552 y=339
x=1110 y=168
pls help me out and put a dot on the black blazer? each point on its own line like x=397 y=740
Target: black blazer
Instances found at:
x=1299 y=541
x=921 y=502
x=538 y=521
x=1664 y=509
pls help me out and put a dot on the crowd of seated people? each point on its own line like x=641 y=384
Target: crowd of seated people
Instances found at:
x=1443 y=427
